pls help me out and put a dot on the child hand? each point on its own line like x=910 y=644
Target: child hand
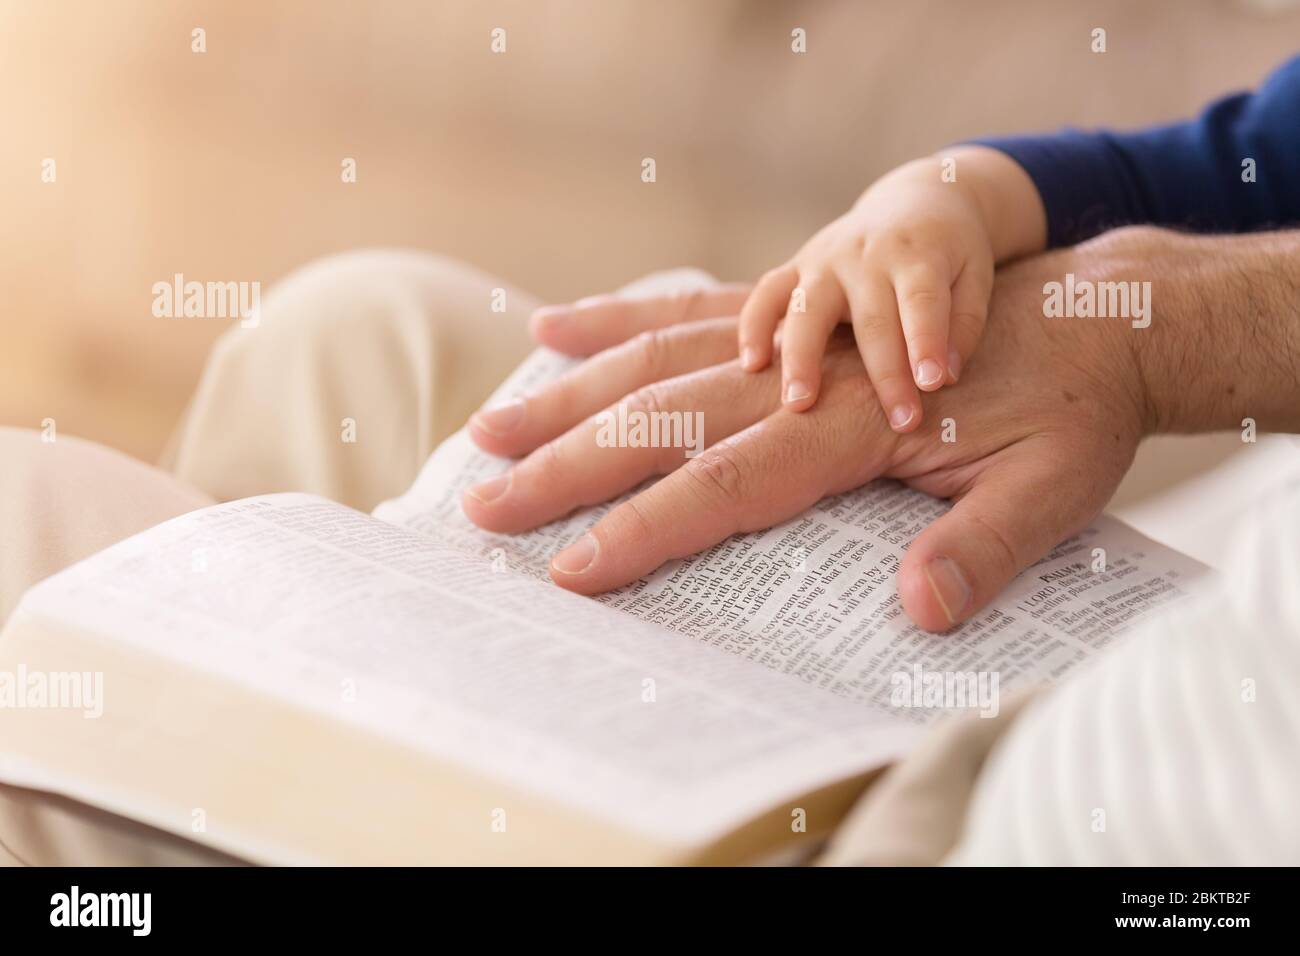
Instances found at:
x=911 y=265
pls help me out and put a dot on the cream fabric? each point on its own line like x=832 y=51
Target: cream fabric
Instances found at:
x=65 y=499
x=404 y=344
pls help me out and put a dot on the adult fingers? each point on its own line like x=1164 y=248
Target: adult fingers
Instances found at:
x=521 y=424
x=771 y=471
x=924 y=302
x=761 y=314
x=651 y=432
x=803 y=341
x=590 y=325
x=880 y=342
x=964 y=559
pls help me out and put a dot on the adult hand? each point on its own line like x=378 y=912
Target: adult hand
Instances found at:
x=1046 y=420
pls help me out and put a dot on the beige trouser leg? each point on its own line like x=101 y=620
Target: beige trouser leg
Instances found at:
x=394 y=349
x=915 y=813
x=65 y=499
x=405 y=345
x=61 y=501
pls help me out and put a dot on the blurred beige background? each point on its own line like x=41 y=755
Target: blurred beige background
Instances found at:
x=225 y=165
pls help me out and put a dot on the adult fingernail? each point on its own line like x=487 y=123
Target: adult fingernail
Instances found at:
x=954 y=363
x=501 y=419
x=548 y=317
x=749 y=359
x=796 y=392
x=577 y=557
x=900 y=416
x=949 y=587
x=928 y=372
x=490 y=490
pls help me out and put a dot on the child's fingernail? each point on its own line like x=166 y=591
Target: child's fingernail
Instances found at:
x=577 y=557
x=954 y=363
x=949 y=587
x=749 y=358
x=900 y=416
x=490 y=490
x=501 y=419
x=928 y=372
x=796 y=392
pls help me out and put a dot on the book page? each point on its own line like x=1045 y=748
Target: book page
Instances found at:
x=813 y=599
x=312 y=602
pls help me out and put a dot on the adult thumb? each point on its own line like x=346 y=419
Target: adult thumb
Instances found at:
x=1016 y=511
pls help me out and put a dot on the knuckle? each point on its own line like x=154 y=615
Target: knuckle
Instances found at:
x=717 y=476
x=548 y=462
x=648 y=352
x=821 y=285
x=1001 y=545
x=904 y=245
x=563 y=396
x=650 y=399
x=873 y=323
x=688 y=301
x=899 y=239
x=631 y=517
x=922 y=296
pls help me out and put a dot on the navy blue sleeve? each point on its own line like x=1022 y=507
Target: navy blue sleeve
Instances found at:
x=1185 y=175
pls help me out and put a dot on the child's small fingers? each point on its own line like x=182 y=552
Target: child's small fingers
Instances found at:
x=924 y=302
x=884 y=352
x=970 y=309
x=761 y=313
x=803 y=341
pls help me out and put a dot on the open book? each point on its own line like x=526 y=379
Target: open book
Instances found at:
x=289 y=680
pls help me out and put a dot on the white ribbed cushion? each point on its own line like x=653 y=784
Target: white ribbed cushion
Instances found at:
x=1158 y=736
